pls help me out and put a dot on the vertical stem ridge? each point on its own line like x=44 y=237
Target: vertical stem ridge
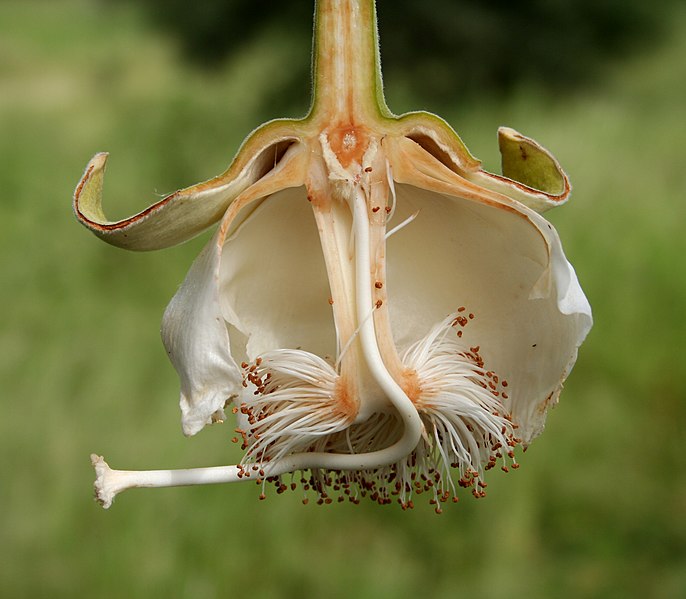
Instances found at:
x=346 y=75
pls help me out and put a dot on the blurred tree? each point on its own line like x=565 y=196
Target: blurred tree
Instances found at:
x=446 y=47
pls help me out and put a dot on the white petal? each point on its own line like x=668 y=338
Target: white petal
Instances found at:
x=197 y=342
x=274 y=287
x=530 y=313
x=199 y=329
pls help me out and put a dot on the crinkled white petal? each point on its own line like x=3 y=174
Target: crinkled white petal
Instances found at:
x=196 y=339
x=530 y=314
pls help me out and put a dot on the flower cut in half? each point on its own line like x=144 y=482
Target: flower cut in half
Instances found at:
x=383 y=317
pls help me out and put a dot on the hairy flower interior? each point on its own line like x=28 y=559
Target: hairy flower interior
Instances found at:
x=295 y=402
x=299 y=405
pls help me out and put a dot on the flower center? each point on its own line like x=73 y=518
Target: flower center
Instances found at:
x=298 y=403
x=300 y=408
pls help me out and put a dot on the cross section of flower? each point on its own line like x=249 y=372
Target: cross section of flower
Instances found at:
x=383 y=317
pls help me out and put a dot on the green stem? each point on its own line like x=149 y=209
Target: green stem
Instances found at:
x=347 y=84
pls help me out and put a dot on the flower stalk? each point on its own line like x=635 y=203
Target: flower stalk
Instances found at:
x=347 y=85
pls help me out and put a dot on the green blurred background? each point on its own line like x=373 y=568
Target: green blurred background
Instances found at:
x=598 y=508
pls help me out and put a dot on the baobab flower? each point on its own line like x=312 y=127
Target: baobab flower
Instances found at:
x=382 y=316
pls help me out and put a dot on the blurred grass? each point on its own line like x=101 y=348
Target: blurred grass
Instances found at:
x=598 y=508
